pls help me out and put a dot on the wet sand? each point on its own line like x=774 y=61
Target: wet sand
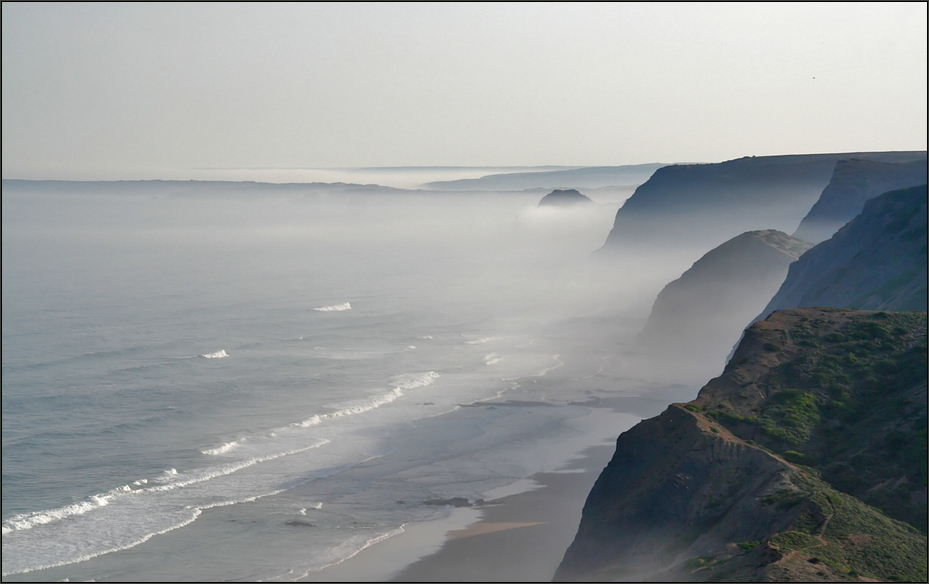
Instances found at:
x=516 y=538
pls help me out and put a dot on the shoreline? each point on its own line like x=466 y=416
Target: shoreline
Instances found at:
x=516 y=537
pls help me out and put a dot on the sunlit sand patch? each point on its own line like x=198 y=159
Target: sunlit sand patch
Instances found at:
x=484 y=528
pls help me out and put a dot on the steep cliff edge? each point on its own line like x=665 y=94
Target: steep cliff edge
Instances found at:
x=756 y=479
x=697 y=317
x=877 y=261
x=854 y=182
x=703 y=205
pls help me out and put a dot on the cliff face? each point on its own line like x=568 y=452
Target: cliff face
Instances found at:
x=730 y=487
x=704 y=205
x=878 y=261
x=854 y=182
x=697 y=316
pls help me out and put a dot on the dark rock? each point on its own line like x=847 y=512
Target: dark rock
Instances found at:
x=703 y=205
x=854 y=182
x=453 y=502
x=876 y=262
x=568 y=198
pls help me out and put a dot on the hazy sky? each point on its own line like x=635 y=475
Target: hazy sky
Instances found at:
x=162 y=90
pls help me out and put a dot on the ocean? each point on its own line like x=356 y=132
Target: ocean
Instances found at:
x=200 y=383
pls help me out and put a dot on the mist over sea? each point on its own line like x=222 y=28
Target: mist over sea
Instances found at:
x=204 y=384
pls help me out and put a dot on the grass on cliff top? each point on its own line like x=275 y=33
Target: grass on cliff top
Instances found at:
x=852 y=538
x=848 y=399
x=831 y=535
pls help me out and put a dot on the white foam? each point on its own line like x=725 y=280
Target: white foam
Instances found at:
x=196 y=513
x=351 y=548
x=334 y=307
x=481 y=341
x=29 y=520
x=200 y=476
x=412 y=381
x=220 y=354
x=400 y=384
x=363 y=406
x=311 y=421
x=492 y=359
x=221 y=449
x=558 y=363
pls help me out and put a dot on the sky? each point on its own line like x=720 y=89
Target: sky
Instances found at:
x=139 y=91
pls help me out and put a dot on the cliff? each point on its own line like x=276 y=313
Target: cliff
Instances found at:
x=703 y=205
x=759 y=478
x=877 y=261
x=854 y=182
x=697 y=316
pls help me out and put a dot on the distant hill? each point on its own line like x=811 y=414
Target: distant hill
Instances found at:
x=877 y=261
x=703 y=205
x=187 y=188
x=590 y=177
x=854 y=182
x=565 y=198
x=805 y=461
x=698 y=316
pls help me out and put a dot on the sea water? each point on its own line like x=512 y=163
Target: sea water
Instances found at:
x=199 y=384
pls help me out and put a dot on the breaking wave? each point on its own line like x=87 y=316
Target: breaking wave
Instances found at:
x=217 y=355
x=334 y=307
x=400 y=384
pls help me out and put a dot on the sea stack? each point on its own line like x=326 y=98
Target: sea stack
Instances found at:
x=564 y=198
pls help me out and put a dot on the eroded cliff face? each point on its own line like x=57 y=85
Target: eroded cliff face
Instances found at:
x=854 y=182
x=730 y=486
x=877 y=261
x=703 y=205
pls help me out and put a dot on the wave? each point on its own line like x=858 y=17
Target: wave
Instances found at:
x=414 y=381
x=221 y=449
x=492 y=358
x=334 y=307
x=194 y=515
x=481 y=341
x=171 y=479
x=217 y=355
x=400 y=384
x=348 y=550
x=558 y=363
x=31 y=519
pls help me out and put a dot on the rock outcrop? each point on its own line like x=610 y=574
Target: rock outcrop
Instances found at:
x=564 y=198
x=756 y=479
x=854 y=182
x=877 y=261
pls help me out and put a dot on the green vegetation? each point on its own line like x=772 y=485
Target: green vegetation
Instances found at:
x=846 y=398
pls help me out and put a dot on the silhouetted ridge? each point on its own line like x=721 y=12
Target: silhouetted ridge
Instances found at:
x=707 y=204
x=698 y=316
x=854 y=182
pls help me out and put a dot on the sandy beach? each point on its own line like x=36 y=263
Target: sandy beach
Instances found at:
x=516 y=538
